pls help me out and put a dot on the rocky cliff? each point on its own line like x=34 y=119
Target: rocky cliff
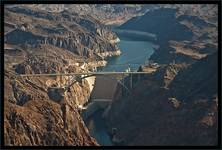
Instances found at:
x=189 y=32
x=176 y=105
x=177 y=102
x=36 y=115
x=109 y=14
x=37 y=110
x=80 y=34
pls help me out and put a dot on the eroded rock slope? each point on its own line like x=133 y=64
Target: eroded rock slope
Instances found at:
x=37 y=111
x=177 y=103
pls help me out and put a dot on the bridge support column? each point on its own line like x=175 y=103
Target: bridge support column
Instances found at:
x=123 y=84
x=138 y=77
x=131 y=81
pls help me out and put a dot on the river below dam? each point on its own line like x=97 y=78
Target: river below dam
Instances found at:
x=134 y=54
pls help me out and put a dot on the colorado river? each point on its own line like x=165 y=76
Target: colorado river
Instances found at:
x=134 y=54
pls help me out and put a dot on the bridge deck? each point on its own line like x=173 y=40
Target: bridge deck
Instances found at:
x=101 y=100
x=82 y=73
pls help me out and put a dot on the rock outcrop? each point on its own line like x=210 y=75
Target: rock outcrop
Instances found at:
x=189 y=33
x=80 y=34
x=184 y=113
x=109 y=14
x=34 y=115
x=177 y=102
x=39 y=110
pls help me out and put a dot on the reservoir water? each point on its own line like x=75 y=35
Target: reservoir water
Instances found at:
x=134 y=54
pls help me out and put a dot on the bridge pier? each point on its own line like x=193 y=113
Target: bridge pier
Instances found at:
x=138 y=78
x=122 y=90
x=131 y=81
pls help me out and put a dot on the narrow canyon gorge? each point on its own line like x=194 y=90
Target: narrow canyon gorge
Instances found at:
x=174 y=103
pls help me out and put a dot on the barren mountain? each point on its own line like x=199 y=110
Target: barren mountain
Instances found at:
x=177 y=103
x=109 y=14
x=83 y=35
x=190 y=31
x=38 y=41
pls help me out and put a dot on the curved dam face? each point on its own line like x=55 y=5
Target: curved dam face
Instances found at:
x=105 y=87
x=102 y=92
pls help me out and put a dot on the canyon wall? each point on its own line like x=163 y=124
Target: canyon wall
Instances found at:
x=177 y=103
x=184 y=32
x=37 y=110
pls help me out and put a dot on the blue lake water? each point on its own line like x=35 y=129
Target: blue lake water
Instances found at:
x=134 y=54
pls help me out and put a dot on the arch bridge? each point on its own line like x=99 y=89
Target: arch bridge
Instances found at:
x=78 y=77
x=103 y=91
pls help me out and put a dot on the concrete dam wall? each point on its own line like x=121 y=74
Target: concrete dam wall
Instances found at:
x=102 y=94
